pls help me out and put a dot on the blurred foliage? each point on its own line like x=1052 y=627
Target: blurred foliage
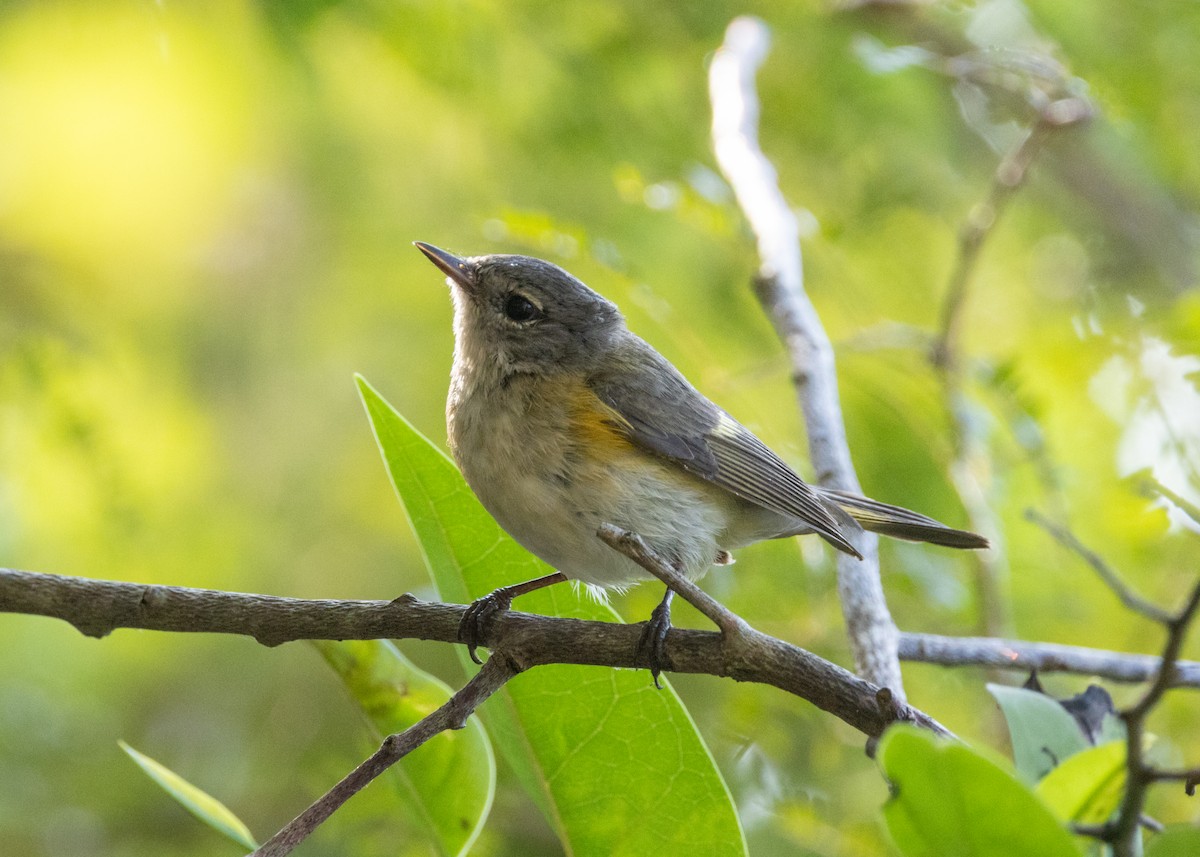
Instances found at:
x=950 y=799
x=205 y=221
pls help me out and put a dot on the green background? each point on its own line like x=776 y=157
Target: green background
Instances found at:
x=205 y=221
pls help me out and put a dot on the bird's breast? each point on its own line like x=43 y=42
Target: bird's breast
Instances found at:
x=550 y=462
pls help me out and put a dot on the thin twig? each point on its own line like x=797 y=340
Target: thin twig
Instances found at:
x=979 y=225
x=1190 y=778
x=1139 y=774
x=970 y=467
x=635 y=547
x=452 y=714
x=1106 y=573
x=1181 y=503
x=780 y=289
x=1151 y=824
x=1092 y=831
x=744 y=651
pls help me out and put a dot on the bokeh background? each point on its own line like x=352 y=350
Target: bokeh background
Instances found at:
x=206 y=212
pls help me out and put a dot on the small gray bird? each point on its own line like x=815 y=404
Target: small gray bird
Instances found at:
x=561 y=419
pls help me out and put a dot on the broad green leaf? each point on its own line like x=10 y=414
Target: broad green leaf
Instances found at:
x=1175 y=842
x=616 y=766
x=950 y=800
x=1087 y=787
x=199 y=803
x=449 y=782
x=1043 y=733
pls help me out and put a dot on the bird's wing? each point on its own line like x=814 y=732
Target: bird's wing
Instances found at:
x=659 y=411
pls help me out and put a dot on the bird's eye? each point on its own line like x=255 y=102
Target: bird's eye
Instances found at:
x=520 y=308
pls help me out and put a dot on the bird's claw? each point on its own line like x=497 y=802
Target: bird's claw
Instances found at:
x=652 y=645
x=478 y=616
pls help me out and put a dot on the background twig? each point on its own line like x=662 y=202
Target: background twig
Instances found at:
x=1043 y=657
x=970 y=466
x=1106 y=573
x=1157 y=489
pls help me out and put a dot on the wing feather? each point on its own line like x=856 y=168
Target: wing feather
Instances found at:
x=663 y=414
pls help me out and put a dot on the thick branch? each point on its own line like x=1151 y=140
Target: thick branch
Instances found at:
x=98 y=607
x=780 y=289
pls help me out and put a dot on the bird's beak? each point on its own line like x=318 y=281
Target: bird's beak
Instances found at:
x=459 y=270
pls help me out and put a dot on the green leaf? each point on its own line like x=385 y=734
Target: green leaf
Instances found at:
x=199 y=803
x=1087 y=787
x=616 y=766
x=950 y=800
x=448 y=783
x=1175 y=842
x=1043 y=733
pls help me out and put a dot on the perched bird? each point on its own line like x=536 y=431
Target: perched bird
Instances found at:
x=562 y=419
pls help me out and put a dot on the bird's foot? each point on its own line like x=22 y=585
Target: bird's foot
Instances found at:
x=474 y=624
x=652 y=645
x=479 y=615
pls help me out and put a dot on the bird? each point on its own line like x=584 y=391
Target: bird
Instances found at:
x=561 y=419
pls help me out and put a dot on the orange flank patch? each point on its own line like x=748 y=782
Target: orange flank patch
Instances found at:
x=600 y=429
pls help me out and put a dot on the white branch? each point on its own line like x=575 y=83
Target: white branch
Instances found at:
x=780 y=288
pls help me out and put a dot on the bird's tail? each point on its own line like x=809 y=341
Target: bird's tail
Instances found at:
x=900 y=523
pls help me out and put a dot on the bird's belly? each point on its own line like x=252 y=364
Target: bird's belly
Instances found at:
x=552 y=496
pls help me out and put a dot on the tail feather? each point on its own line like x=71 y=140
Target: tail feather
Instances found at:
x=901 y=523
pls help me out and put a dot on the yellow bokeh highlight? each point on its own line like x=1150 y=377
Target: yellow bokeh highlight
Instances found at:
x=124 y=130
x=97 y=446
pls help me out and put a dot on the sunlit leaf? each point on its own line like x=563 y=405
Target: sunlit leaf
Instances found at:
x=448 y=783
x=1087 y=787
x=950 y=800
x=616 y=766
x=199 y=803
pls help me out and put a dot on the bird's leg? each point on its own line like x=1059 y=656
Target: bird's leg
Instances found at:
x=652 y=645
x=484 y=610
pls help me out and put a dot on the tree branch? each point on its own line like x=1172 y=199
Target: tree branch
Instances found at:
x=1139 y=774
x=452 y=714
x=1043 y=657
x=97 y=607
x=780 y=289
x=746 y=650
x=978 y=227
x=1190 y=778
